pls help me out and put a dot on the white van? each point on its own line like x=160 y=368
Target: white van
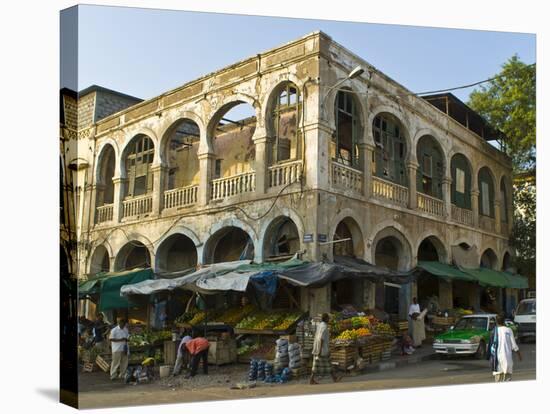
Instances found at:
x=525 y=317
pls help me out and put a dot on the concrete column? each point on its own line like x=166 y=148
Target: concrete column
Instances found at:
x=206 y=165
x=497 y=216
x=319 y=300
x=446 y=184
x=445 y=294
x=119 y=185
x=260 y=164
x=159 y=183
x=369 y=292
x=412 y=167
x=475 y=206
x=96 y=198
x=474 y=296
x=367 y=172
x=405 y=299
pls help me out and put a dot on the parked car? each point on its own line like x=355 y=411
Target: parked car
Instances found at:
x=469 y=336
x=525 y=317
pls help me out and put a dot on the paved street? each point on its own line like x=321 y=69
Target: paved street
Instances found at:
x=435 y=372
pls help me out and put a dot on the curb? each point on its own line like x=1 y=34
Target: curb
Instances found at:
x=387 y=365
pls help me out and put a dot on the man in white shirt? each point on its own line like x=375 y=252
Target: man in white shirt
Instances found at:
x=119 y=346
x=413 y=308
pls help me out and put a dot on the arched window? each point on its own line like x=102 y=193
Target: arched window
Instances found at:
x=344 y=148
x=285 y=121
x=431 y=168
x=391 y=149
x=461 y=185
x=138 y=166
x=486 y=193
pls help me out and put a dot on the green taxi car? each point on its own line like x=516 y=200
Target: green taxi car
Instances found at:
x=469 y=336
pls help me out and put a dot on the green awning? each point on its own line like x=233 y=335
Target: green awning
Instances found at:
x=517 y=281
x=489 y=277
x=445 y=271
x=92 y=286
x=485 y=277
x=110 y=287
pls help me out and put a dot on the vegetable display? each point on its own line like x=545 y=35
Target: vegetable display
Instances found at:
x=272 y=321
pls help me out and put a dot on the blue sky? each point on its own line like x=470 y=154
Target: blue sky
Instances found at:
x=144 y=52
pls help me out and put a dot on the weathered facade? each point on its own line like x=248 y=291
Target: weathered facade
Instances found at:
x=168 y=183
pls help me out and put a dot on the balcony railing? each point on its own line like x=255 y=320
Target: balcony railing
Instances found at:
x=181 y=197
x=234 y=185
x=346 y=177
x=137 y=206
x=104 y=213
x=386 y=190
x=430 y=205
x=284 y=174
x=487 y=223
x=462 y=215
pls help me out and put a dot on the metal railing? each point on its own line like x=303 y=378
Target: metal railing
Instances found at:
x=234 y=185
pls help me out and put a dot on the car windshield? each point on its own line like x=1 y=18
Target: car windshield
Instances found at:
x=527 y=308
x=471 y=323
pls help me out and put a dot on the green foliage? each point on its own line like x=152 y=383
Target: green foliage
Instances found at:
x=508 y=102
x=523 y=236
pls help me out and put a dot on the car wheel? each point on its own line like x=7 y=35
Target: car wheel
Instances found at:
x=481 y=351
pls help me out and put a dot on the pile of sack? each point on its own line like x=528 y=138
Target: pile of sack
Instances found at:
x=281 y=355
x=295 y=356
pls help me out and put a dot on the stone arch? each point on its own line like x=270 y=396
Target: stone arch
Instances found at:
x=396 y=113
x=437 y=243
x=229 y=243
x=357 y=231
x=282 y=213
x=330 y=102
x=348 y=127
x=100 y=260
x=174 y=119
x=392 y=147
x=220 y=225
x=429 y=178
x=179 y=148
x=104 y=174
x=176 y=251
x=507 y=260
x=126 y=147
x=105 y=142
x=134 y=254
x=461 y=199
x=488 y=259
x=401 y=245
x=486 y=172
x=282 y=231
x=348 y=227
x=284 y=121
x=219 y=110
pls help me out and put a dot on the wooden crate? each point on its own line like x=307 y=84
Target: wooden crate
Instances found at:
x=222 y=352
x=170 y=352
x=104 y=362
x=343 y=356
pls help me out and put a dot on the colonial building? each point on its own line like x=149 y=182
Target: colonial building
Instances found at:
x=338 y=159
